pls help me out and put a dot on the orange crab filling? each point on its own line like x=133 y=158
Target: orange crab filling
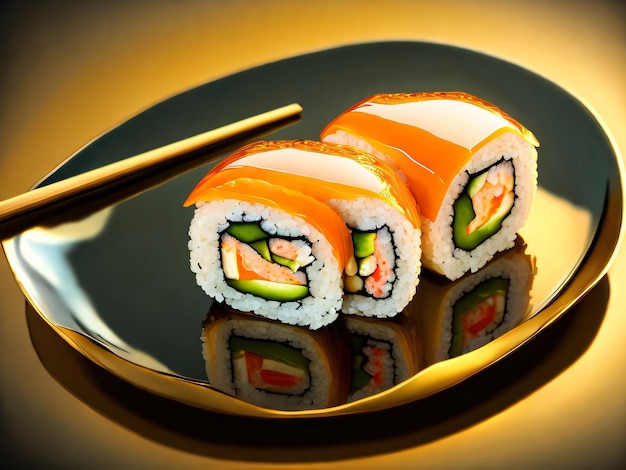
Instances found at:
x=375 y=282
x=490 y=200
x=263 y=374
x=241 y=262
x=480 y=317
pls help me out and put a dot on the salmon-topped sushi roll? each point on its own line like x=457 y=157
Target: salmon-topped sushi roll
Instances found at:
x=383 y=268
x=273 y=251
x=471 y=168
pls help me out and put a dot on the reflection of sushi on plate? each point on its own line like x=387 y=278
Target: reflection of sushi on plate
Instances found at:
x=383 y=270
x=457 y=317
x=471 y=168
x=383 y=353
x=270 y=250
x=274 y=365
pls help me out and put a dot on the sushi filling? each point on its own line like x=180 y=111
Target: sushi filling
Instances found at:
x=372 y=365
x=267 y=266
x=486 y=200
x=477 y=314
x=373 y=273
x=270 y=366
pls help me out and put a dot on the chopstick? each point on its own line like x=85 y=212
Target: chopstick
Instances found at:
x=43 y=197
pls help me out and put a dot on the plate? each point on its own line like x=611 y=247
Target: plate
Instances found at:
x=111 y=275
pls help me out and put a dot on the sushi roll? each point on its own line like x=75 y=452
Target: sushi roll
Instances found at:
x=383 y=353
x=471 y=168
x=274 y=365
x=384 y=266
x=267 y=249
x=457 y=317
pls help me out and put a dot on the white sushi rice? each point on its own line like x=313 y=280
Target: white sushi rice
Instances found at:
x=315 y=393
x=519 y=271
x=439 y=253
x=401 y=243
x=324 y=275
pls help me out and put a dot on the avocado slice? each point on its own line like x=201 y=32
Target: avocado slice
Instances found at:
x=281 y=352
x=476 y=183
x=247 y=232
x=262 y=248
x=463 y=215
x=363 y=243
x=360 y=378
x=466 y=303
x=269 y=290
x=291 y=264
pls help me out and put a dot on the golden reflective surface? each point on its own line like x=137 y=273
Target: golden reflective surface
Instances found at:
x=251 y=442
x=67 y=98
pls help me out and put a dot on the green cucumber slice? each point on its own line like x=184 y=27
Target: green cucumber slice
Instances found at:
x=476 y=183
x=272 y=350
x=291 y=264
x=463 y=215
x=247 y=232
x=363 y=243
x=269 y=290
x=262 y=248
x=360 y=378
x=480 y=293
